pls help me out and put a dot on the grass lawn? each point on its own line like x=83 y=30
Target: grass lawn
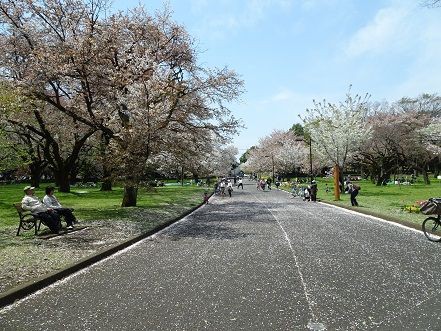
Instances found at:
x=388 y=201
x=104 y=224
x=92 y=204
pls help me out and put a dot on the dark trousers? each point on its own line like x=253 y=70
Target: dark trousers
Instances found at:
x=354 y=193
x=67 y=214
x=51 y=219
x=240 y=184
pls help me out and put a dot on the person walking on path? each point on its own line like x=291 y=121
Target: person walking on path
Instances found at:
x=314 y=191
x=52 y=202
x=262 y=184
x=268 y=182
x=47 y=215
x=353 y=190
x=240 y=183
x=222 y=188
x=307 y=193
x=230 y=188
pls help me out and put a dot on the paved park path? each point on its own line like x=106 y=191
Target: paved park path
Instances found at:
x=256 y=261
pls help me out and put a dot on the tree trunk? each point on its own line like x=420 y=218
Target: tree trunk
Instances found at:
x=381 y=178
x=426 y=176
x=336 y=182
x=436 y=170
x=106 y=185
x=182 y=176
x=36 y=171
x=107 y=171
x=130 y=196
x=62 y=180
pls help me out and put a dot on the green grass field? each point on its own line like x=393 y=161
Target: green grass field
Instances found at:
x=392 y=201
x=92 y=204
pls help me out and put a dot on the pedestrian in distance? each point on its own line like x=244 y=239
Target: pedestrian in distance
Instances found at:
x=222 y=188
x=353 y=190
x=230 y=188
x=268 y=182
x=206 y=198
x=314 y=190
x=240 y=183
x=307 y=194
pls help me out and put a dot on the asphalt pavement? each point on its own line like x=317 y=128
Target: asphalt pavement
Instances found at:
x=255 y=261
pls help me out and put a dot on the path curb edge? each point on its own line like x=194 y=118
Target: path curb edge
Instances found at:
x=25 y=289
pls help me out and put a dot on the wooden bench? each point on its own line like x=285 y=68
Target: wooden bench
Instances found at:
x=27 y=219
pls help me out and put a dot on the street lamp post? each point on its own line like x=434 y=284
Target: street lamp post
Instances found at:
x=272 y=160
x=304 y=139
x=310 y=158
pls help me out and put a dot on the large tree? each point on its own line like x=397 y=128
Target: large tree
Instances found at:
x=404 y=138
x=132 y=76
x=338 y=130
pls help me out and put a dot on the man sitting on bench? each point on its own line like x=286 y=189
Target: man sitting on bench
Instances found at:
x=52 y=202
x=47 y=215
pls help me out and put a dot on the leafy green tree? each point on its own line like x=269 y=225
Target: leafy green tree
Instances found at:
x=244 y=156
x=12 y=155
x=298 y=130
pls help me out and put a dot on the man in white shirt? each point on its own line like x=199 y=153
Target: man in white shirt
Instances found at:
x=47 y=215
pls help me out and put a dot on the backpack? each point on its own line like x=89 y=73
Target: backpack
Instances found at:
x=357 y=187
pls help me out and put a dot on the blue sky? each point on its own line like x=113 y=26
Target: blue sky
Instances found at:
x=290 y=52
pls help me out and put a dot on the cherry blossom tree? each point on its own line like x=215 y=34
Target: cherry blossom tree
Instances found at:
x=404 y=138
x=132 y=76
x=431 y=136
x=282 y=150
x=338 y=130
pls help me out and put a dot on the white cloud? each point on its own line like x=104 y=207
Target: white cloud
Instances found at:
x=389 y=29
x=423 y=74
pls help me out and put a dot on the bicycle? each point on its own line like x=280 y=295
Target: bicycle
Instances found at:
x=432 y=225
